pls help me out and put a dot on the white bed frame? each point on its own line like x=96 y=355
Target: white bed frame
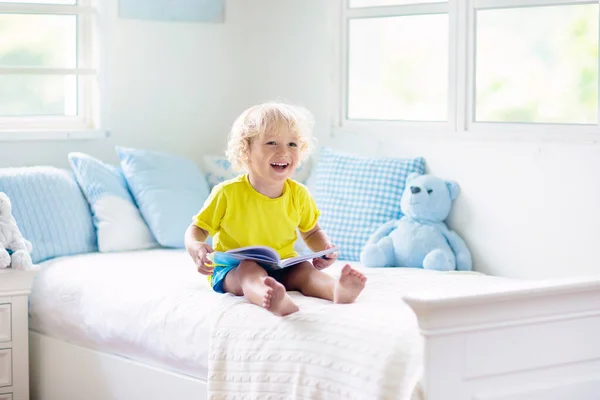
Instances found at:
x=541 y=344
x=64 y=371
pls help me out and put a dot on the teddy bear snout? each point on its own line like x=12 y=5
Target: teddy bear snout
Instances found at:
x=415 y=189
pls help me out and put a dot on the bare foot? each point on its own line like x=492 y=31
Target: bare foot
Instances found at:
x=276 y=298
x=349 y=286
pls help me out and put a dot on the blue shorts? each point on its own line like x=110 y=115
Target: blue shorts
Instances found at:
x=221 y=271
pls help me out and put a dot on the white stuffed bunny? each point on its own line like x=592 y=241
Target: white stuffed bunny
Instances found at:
x=11 y=239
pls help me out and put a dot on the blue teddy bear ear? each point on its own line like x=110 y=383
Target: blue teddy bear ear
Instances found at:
x=453 y=188
x=412 y=176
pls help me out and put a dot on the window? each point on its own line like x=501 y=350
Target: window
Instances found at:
x=537 y=64
x=392 y=76
x=48 y=66
x=466 y=65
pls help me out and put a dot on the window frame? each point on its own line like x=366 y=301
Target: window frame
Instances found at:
x=89 y=121
x=461 y=76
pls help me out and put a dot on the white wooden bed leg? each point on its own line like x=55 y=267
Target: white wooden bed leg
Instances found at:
x=443 y=357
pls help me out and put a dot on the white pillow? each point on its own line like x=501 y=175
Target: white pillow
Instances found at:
x=119 y=224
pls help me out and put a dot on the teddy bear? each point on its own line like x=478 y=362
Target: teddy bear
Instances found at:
x=11 y=239
x=420 y=239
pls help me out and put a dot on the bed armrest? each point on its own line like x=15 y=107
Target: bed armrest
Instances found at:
x=538 y=342
x=437 y=315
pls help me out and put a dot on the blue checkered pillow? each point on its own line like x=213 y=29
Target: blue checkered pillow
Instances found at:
x=357 y=194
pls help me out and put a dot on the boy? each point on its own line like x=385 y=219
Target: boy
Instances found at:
x=266 y=207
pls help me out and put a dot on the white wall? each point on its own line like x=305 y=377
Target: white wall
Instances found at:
x=528 y=208
x=172 y=86
x=289 y=53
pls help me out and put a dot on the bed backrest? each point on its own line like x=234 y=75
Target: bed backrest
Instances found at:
x=50 y=210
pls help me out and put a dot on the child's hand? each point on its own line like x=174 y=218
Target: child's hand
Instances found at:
x=199 y=252
x=325 y=261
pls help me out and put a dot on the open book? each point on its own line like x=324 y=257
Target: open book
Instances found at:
x=265 y=256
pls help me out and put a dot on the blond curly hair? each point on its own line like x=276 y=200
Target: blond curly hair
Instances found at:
x=268 y=118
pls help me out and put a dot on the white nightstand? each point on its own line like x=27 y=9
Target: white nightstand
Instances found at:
x=14 y=333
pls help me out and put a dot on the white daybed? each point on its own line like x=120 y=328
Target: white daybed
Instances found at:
x=145 y=325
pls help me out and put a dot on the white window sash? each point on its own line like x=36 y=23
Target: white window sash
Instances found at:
x=84 y=7
x=461 y=89
x=91 y=85
x=491 y=4
x=395 y=11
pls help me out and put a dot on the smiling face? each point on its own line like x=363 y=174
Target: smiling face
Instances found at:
x=273 y=158
x=269 y=141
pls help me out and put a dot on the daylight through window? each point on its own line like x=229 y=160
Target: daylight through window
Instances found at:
x=492 y=62
x=48 y=65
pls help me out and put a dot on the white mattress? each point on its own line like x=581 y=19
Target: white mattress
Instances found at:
x=152 y=306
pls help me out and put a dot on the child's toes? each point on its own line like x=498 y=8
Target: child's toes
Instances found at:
x=266 y=301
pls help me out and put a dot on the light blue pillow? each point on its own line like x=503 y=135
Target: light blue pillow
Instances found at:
x=119 y=224
x=219 y=169
x=168 y=190
x=50 y=210
x=357 y=194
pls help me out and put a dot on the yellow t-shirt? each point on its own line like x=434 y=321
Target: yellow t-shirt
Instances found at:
x=236 y=215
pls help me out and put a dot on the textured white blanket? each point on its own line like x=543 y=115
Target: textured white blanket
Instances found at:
x=367 y=350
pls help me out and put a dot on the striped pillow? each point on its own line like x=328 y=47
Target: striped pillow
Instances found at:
x=50 y=210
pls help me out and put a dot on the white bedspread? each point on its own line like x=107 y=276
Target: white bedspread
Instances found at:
x=151 y=306
x=368 y=350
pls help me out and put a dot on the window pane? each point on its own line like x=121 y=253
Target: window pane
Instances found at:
x=30 y=95
x=41 y=1
x=398 y=68
x=377 y=3
x=537 y=65
x=28 y=40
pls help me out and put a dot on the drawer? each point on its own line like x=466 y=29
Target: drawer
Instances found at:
x=5 y=367
x=5 y=323
x=6 y=396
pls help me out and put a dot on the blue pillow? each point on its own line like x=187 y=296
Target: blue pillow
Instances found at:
x=119 y=224
x=357 y=194
x=168 y=190
x=50 y=210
